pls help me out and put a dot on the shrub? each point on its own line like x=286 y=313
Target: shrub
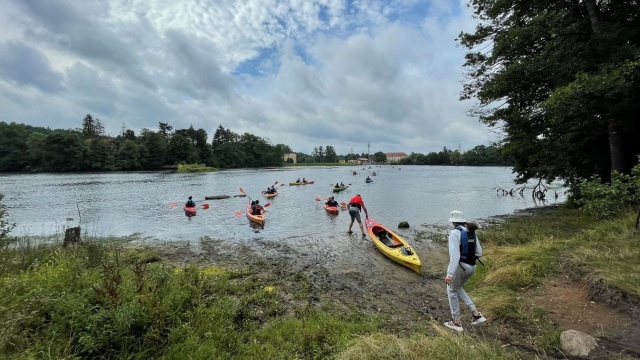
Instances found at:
x=603 y=200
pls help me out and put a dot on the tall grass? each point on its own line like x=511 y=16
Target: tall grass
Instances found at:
x=445 y=346
x=97 y=301
x=524 y=251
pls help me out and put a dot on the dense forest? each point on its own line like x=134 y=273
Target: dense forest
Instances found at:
x=28 y=148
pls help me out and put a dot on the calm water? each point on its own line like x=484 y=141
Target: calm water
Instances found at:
x=126 y=203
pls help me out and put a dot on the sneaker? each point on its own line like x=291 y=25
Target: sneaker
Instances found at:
x=477 y=320
x=364 y=236
x=451 y=324
x=349 y=232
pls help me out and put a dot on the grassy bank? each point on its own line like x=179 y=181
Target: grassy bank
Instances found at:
x=195 y=168
x=114 y=301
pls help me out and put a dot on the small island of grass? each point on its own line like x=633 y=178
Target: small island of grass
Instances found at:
x=195 y=168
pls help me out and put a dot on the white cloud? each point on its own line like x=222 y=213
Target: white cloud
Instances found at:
x=299 y=72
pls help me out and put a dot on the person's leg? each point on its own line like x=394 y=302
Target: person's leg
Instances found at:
x=351 y=223
x=462 y=294
x=455 y=292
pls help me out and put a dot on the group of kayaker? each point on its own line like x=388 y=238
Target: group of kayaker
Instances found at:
x=256 y=208
x=339 y=185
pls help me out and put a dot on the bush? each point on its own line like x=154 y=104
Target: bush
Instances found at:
x=603 y=200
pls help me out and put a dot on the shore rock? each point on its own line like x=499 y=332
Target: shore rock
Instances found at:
x=403 y=225
x=577 y=343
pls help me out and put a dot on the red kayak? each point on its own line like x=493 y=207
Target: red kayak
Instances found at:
x=190 y=210
x=331 y=209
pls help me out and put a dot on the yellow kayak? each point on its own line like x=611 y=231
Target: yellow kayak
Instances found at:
x=393 y=246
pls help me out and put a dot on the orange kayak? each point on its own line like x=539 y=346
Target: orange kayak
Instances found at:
x=258 y=219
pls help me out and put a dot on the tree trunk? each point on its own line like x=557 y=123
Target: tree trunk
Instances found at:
x=592 y=10
x=71 y=236
x=615 y=148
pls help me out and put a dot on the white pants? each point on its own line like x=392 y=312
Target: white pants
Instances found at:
x=457 y=293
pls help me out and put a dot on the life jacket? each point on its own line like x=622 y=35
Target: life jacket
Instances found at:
x=467 y=247
x=353 y=204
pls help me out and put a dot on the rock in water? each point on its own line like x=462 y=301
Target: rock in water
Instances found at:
x=403 y=225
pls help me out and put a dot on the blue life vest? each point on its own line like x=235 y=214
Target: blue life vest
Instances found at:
x=467 y=247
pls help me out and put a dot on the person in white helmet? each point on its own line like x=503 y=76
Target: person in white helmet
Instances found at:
x=464 y=251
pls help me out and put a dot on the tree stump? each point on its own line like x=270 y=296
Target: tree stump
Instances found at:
x=71 y=236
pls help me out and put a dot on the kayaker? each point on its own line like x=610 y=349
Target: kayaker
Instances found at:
x=331 y=201
x=355 y=206
x=464 y=250
x=190 y=203
x=298 y=181
x=257 y=208
x=341 y=184
x=337 y=186
x=304 y=180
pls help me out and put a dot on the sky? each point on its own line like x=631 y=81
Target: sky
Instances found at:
x=344 y=73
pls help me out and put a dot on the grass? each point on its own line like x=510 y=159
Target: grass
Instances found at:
x=524 y=251
x=445 y=345
x=195 y=168
x=105 y=301
x=111 y=301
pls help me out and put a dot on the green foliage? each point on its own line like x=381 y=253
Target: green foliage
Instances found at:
x=605 y=200
x=98 y=301
x=195 y=168
x=478 y=156
x=560 y=80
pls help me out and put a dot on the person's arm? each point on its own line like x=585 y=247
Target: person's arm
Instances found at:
x=454 y=254
x=366 y=214
x=478 y=247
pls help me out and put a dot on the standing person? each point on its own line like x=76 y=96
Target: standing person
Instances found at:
x=464 y=250
x=355 y=206
x=190 y=203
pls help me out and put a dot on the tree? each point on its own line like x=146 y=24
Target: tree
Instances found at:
x=330 y=154
x=560 y=78
x=379 y=157
x=64 y=151
x=165 y=129
x=88 y=126
x=155 y=149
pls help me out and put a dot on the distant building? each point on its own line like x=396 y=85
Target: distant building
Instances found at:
x=363 y=161
x=341 y=161
x=396 y=156
x=292 y=156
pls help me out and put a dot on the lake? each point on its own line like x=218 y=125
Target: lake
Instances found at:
x=122 y=204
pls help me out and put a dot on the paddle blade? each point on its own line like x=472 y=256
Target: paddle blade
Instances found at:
x=205 y=206
x=276 y=183
x=238 y=213
x=318 y=198
x=242 y=191
x=173 y=204
x=267 y=205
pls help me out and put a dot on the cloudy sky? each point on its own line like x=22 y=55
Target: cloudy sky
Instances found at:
x=299 y=72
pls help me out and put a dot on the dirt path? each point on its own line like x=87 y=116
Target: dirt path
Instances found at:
x=352 y=273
